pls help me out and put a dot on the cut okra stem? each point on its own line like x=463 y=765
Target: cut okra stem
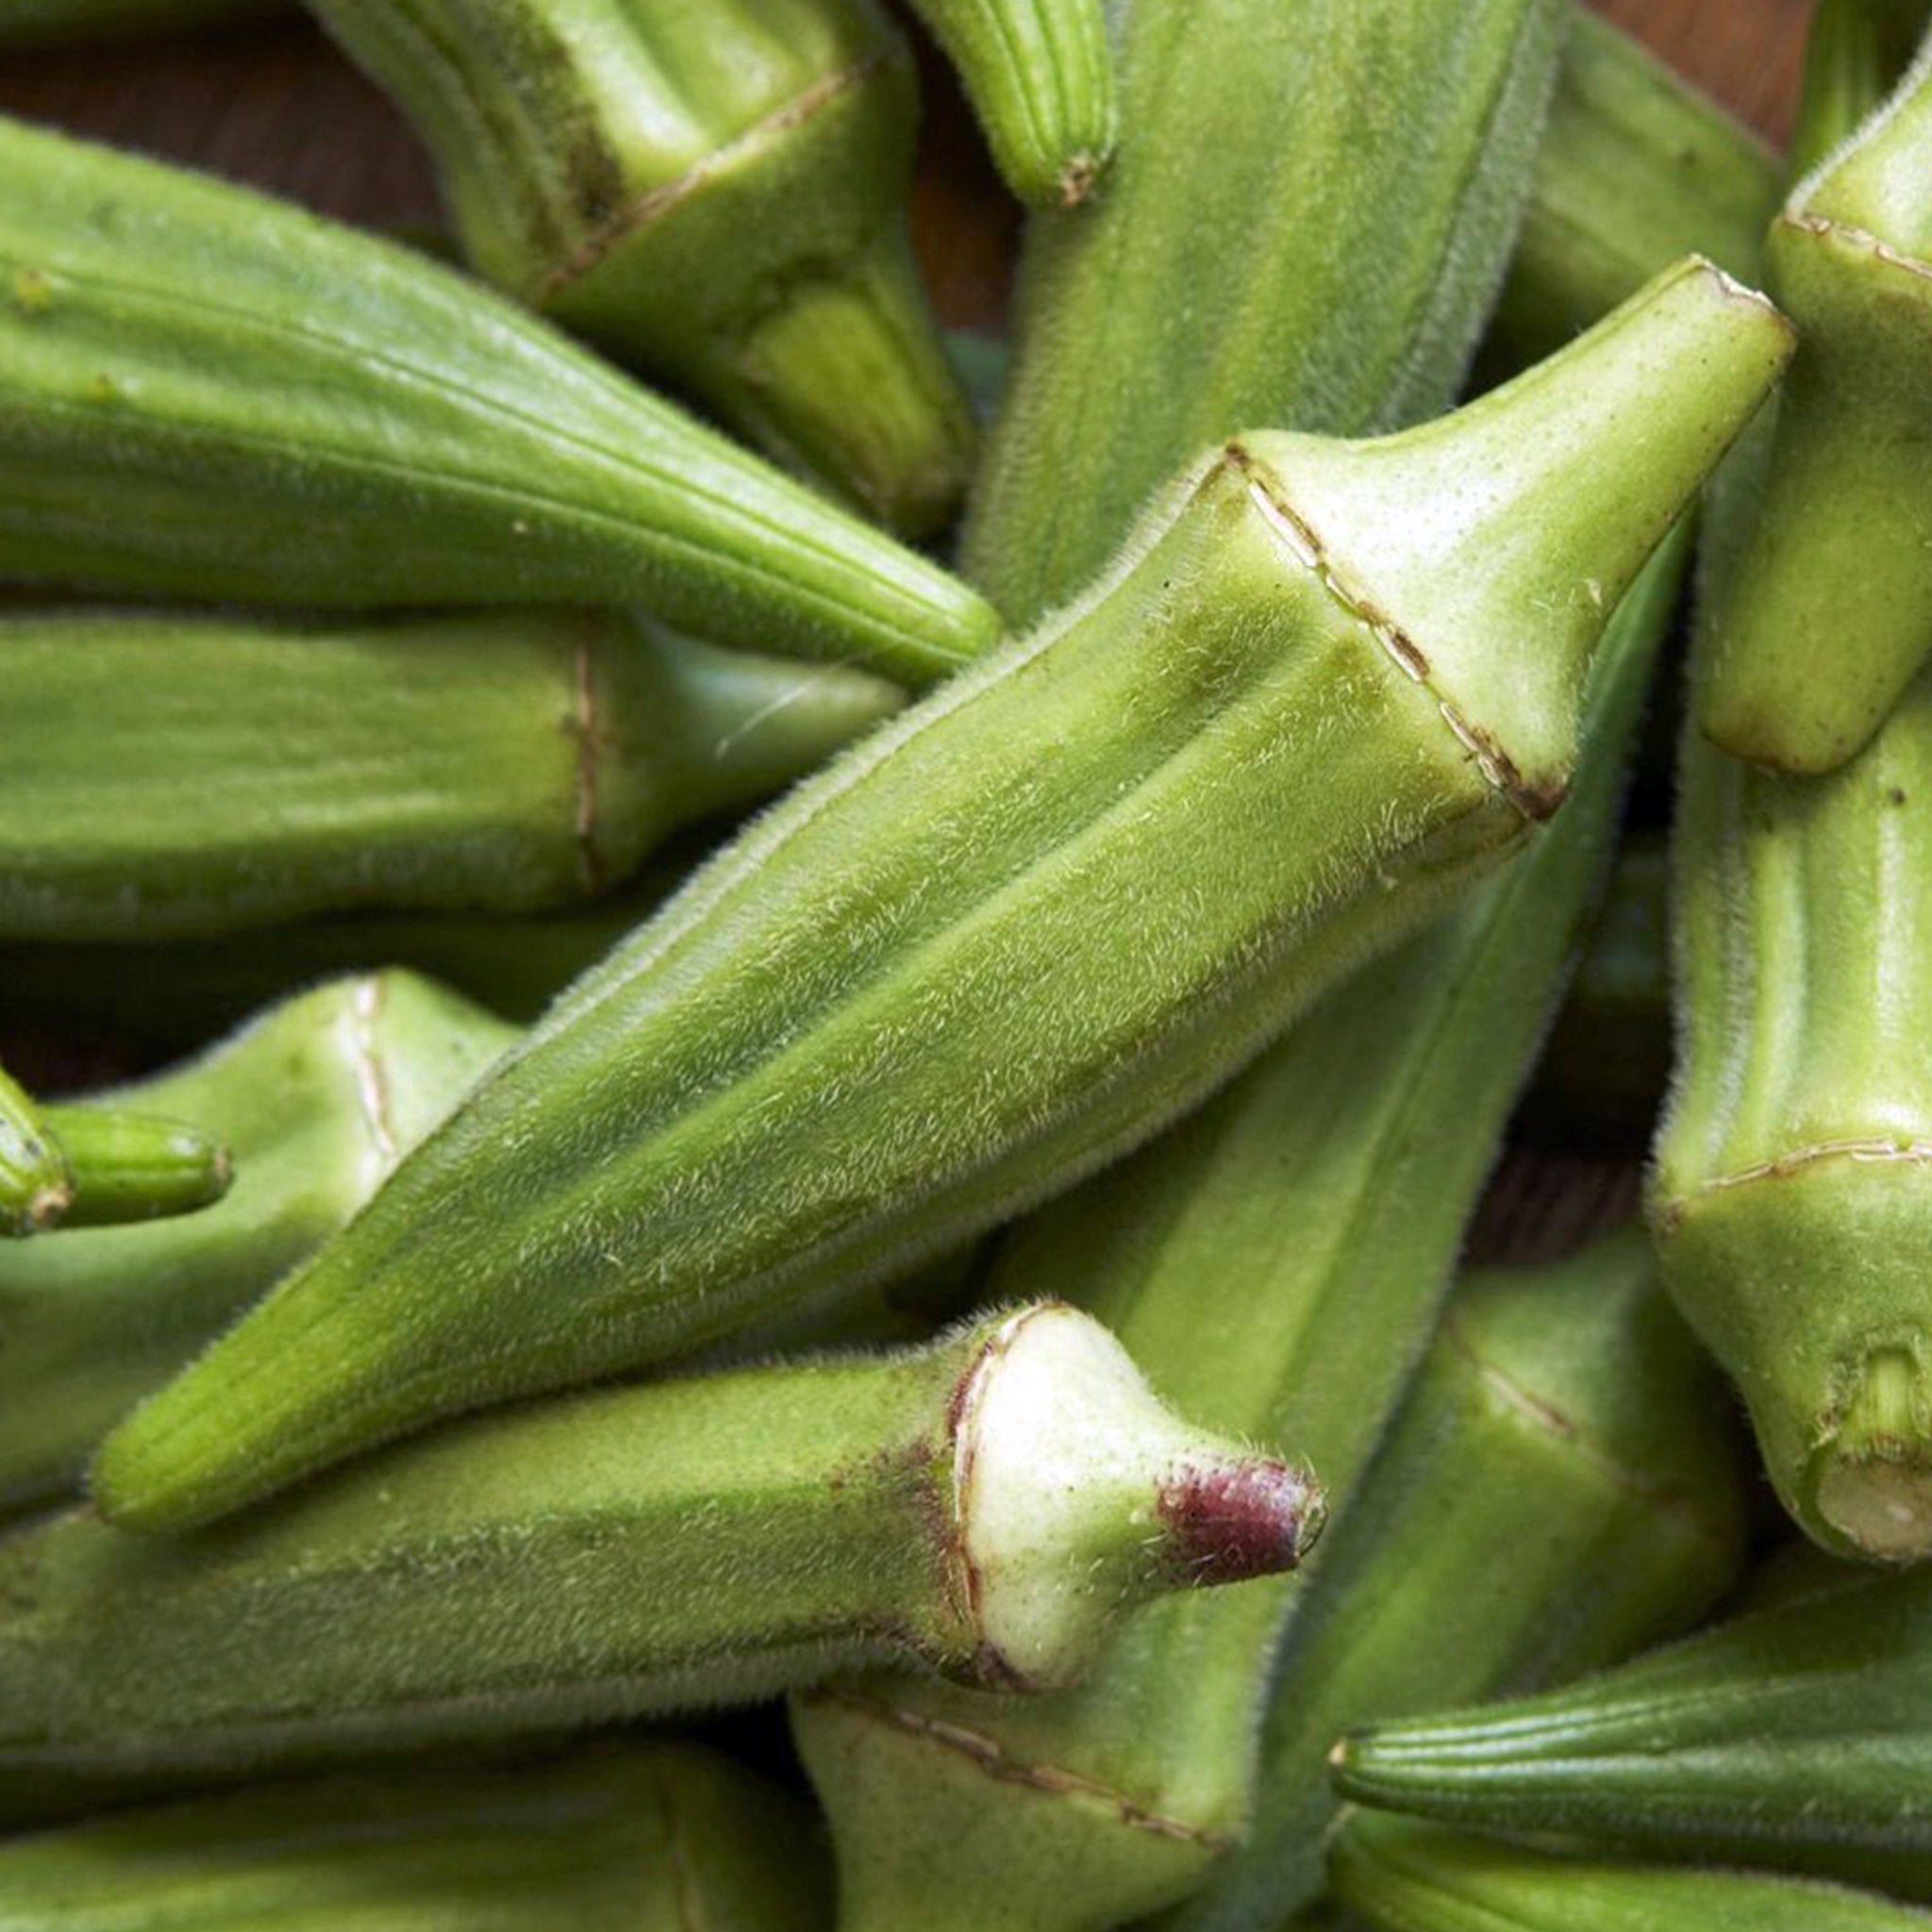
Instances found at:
x=317 y=1100
x=990 y=1504
x=1020 y=927
x=209 y=394
x=187 y=775
x=715 y=195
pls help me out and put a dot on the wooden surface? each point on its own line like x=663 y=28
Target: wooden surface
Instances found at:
x=275 y=105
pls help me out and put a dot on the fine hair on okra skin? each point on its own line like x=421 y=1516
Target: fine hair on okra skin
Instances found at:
x=950 y=974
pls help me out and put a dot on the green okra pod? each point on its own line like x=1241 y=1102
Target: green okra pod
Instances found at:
x=625 y=1835
x=180 y=776
x=1247 y=1259
x=1306 y=242
x=990 y=1504
x=1040 y=77
x=1634 y=168
x=1830 y=612
x=206 y=393
x=1798 y=1735
x=1018 y=928
x=136 y=1166
x=715 y=195
x=318 y=1100
x=1399 y=1876
x=1854 y=52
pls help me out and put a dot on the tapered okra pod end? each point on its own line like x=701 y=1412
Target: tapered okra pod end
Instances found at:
x=136 y=1166
x=1832 y=610
x=1489 y=548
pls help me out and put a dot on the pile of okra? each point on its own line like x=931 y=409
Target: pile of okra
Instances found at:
x=813 y=1009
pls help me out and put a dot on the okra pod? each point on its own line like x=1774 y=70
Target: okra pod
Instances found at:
x=136 y=1166
x=1854 y=52
x=1634 y=168
x=1018 y=928
x=1245 y=1260
x=317 y=1100
x=1403 y=1877
x=989 y=1505
x=1040 y=77
x=1830 y=614
x=1306 y=242
x=173 y=777
x=206 y=393
x=623 y=1836
x=35 y=1181
x=715 y=195
x=1797 y=1736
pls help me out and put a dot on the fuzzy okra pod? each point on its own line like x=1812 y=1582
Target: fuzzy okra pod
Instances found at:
x=990 y=1504
x=1634 y=168
x=1798 y=1735
x=1018 y=928
x=715 y=193
x=1040 y=77
x=1399 y=1876
x=318 y=1101
x=626 y=1835
x=209 y=393
x=174 y=776
x=1245 y=1259
x=1259 y=180
x=1830 y=614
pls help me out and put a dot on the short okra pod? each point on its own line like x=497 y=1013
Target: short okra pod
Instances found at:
x=1020 y=926
x=36 y=1182
x=1797 y=1736
x=714 y=194
x=179 y=775
x=206 y=393
x=1399 y=1876
x=1248 y=1260
x=1040 y=77
x=621 y=1835
x=1830 y=614
x=990 y=1504
x=317 y=1100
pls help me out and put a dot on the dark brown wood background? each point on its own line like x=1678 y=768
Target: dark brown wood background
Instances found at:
x=275 y=105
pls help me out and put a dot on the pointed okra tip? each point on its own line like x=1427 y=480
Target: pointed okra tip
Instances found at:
x=1078 y=1496
x=1871 y=1477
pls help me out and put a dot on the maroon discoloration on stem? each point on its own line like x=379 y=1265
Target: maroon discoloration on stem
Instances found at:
x=1228 y=1522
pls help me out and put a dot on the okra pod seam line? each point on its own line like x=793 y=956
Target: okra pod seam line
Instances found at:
x=1869 y=1151
x=660 y=201
x=990 y=1757
x=371 y=1081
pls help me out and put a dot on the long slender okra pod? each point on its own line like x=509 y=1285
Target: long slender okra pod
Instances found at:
x=620 y=1836
x=36 y=1182
x=1398 y=1877
x=318 y=1101
x=1634 y=168
x=715 y=193
x=1018 y=928
x=1830 y=614
x=1249 y=1259
x=1246 y=265
x=205 y=392
x=174 y=776
x=990 y=1504
x=1798 y=1735
x=1040 y=77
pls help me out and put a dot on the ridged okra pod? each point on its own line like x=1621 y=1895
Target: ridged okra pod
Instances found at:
x=208 y=393
x=1560 y=1489
x=1246 y=264
x=1040 y=77
x=1018 y=928
x=714 y=193
x=1798 y=1736
x=1854 y=53
x=990 y=1504
x=1830 y=615
x=622 y=1836
x=1250 y=1261
x=1792 y=1193
x=1634 y=168
x=317 y=1100
x=1398 y=1877
x=174 y=776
